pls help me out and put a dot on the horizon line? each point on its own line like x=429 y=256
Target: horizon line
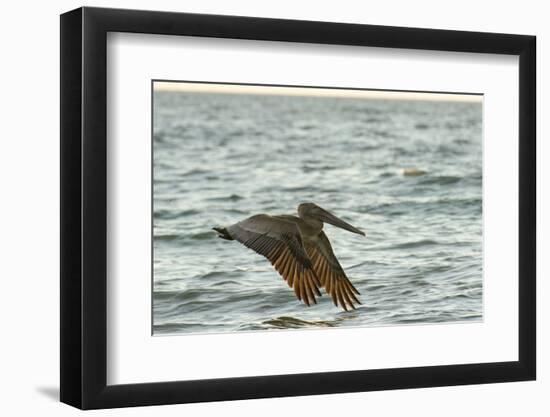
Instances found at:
x=277 y=90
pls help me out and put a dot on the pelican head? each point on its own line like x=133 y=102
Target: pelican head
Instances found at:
x=312 y=210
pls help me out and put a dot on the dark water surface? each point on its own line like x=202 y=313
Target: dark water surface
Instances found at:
x=219 y=158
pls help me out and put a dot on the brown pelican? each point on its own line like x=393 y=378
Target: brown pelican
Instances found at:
x=300 y=251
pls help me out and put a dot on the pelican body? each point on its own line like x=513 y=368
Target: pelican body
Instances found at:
x=300 y=251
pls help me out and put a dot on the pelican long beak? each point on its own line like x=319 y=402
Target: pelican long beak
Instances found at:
x=327 y=217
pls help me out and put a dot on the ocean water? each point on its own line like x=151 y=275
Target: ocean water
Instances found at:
x=220 y=158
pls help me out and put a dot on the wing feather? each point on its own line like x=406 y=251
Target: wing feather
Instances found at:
x=330 y=273
x=280 y=241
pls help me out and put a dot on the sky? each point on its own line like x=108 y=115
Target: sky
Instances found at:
x=312 y=92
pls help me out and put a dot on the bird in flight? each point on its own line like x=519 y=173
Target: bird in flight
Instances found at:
x=300 y=251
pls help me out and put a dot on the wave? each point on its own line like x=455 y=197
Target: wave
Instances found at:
x=409 y=245
x=421 y=126
x=168 y=237
x=173 y=214
x=295 y=323
x=195 y=172
x=171 y=237
x=439 y=180
x=231 y=197
x=206 y=235
x=407 y=206
x=308 y=168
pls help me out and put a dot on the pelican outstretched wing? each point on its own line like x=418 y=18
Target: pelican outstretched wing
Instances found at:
x=330 y=273
x=281 y=243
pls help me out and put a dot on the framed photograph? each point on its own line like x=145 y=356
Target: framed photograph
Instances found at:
x=257 y=208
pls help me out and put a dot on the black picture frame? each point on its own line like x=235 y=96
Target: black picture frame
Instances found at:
x=84 y=207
